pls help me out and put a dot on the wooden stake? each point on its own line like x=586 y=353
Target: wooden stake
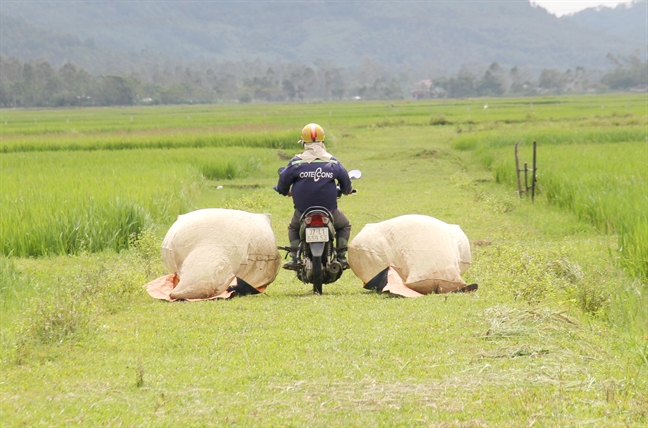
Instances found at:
x=526 y=179
x=517 y=169
x=533 y=179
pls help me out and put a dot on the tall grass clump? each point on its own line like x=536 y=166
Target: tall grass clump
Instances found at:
x=229 y=169
x=73 y=202
x=8 y=276
x=13 y=287
x=537 y=276
x=628 y=312
x=65 y=309
x=633 y=244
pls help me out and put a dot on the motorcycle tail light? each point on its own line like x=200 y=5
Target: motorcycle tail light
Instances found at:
x=316 y=220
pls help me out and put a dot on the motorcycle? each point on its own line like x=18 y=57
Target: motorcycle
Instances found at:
x=316 y=253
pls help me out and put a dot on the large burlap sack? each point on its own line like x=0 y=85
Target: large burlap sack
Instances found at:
x=428 y=254
x=212 y=249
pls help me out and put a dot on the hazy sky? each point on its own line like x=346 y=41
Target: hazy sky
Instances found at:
x=559 y=8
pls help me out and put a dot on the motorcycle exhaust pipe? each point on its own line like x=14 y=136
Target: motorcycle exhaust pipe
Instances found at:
x=334 y=268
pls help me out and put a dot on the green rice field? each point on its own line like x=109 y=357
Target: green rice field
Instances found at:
x=557 y=334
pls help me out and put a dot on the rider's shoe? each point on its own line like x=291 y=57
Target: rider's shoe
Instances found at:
x=292 y=264
x=341 y=258
x=341 y=250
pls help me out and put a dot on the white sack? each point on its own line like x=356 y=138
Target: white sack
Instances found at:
x=464 y=247
x=428 y=254
x=209 y=248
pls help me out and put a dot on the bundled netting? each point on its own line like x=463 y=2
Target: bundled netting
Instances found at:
x=427 y=254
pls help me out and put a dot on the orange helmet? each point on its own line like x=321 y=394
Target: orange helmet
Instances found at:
x=312 y=133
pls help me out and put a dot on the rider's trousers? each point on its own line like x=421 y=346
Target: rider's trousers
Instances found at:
x=340 y=223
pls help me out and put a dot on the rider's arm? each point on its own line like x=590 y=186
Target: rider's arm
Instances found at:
x=285 y=181
x=343 y=179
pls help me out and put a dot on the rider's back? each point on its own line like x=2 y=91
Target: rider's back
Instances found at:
x=314 y=183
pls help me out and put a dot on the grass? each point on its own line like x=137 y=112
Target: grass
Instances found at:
x=555 y=336
x=69 y=202
x=604 y=184
x=81 y=142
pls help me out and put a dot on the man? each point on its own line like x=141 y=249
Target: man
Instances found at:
x=312 y=176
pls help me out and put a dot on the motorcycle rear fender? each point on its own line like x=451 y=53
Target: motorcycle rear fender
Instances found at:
x=317 y=248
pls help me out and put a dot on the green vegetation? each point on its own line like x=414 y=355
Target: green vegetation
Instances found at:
x=597 y=173
x=93 y=203
x=556 y=335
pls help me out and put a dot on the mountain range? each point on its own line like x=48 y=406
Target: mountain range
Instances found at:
x=113 y=35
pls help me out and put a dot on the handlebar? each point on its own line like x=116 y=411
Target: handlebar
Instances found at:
x=339 y=192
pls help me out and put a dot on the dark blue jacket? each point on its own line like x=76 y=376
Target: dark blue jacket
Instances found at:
x=313 y=184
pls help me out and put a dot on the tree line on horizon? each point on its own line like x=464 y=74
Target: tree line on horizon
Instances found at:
x=38 y=84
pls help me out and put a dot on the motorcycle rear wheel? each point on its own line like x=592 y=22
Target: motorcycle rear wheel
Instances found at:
x=317 y=275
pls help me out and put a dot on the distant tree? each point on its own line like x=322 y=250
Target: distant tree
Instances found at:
x=42 y=91
x=68 y=74
x=245 y=98
x=575 y=81
x=5 y=95
x=580 y=80
x=288 y=89
x=629 y=72
x=309 y=83
x=440 y=86
x=393 y=91
x=368 y=72
x=116 y=90
x=264 y=88
x=376 y=90
x=211 y=76
x=297 y=79
x=517 y=86
x=492 y=83
x=552 y=80
x=228 y=86
x=462 y=85
x=334 y=84
x=176 y=93
x=83 y=82
x=53 y=86
x=10 y=76
x=381 y=89
x=10 y=69
x=28 y=85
